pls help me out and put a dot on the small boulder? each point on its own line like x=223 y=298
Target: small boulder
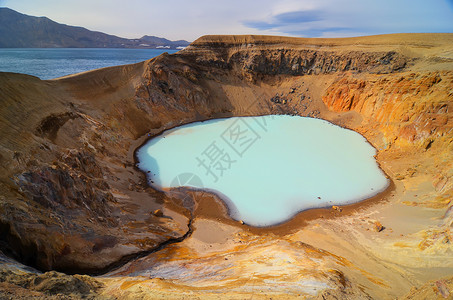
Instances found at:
x=378 y=226
x=158 y=213
x=337 y=208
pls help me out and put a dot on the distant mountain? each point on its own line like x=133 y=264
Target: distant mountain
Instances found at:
x=22 y=31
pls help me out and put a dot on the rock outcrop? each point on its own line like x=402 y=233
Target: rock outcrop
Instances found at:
x=409 y=107
x=68 y=202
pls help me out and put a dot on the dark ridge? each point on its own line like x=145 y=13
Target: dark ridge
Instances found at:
x=131 y=257
x=22 y=31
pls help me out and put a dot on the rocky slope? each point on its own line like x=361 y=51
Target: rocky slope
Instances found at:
x=72 y=201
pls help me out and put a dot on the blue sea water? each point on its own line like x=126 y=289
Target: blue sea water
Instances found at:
x=49 y=63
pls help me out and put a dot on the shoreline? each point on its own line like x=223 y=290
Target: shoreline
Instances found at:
x=222 y=210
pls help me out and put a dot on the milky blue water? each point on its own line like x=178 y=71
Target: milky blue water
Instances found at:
x=265 y=168
x=51 y=63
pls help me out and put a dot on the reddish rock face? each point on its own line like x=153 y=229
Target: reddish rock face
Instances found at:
x=409 y=106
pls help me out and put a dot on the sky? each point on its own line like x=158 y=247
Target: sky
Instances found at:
x=190 y=19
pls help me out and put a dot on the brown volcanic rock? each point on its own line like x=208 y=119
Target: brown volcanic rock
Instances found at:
x=255 y=56
x=47 y=286
x=268 y=41
x=72 y=200
x=438 y=289
x=62 y=207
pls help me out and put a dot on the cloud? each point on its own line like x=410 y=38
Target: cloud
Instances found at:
x=282 y=20
x=260 y=25
x=321 y=32
x=329 y=18
x=295 y=17
x=301 y=22
x=308 y=23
